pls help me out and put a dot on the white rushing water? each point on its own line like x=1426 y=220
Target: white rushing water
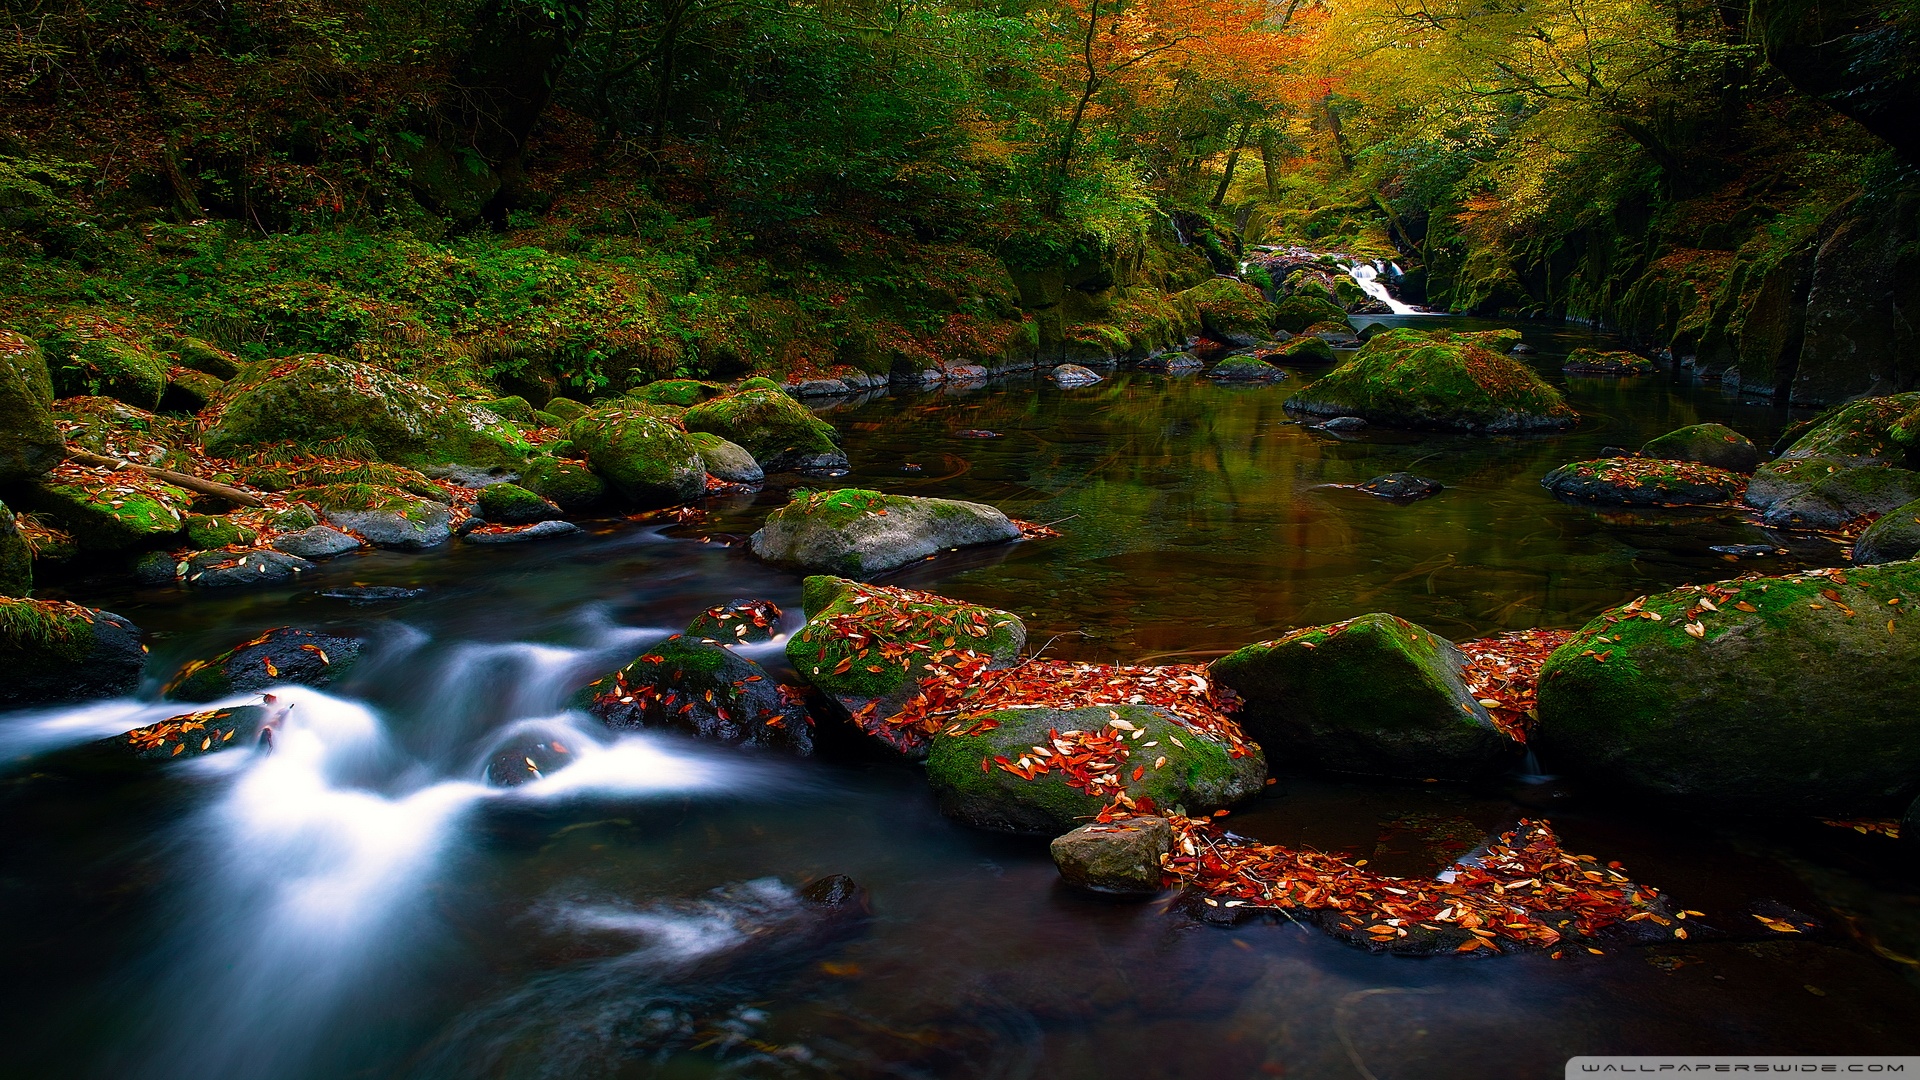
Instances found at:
x=1368 y=277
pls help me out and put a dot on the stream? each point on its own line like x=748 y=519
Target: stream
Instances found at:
x=358 y=903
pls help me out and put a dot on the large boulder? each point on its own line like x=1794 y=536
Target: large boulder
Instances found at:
x=1120 y=857
x=1709 y=444
x=1859 y=460
x=1045 y=771
x=52 y=651
x=1245 y=369
x=643 y=455
x=228 y=569
x=511 y=504
x=1597 y=362
x=703 y=689
x=854 y=531
x=880 y=653
x=1643 y=481
x=314 y=399
x=112 y=511
x=1781 y=695
x=571 y=486
x=778 y=431
x=680 y=393
x=1232 y=311
x=1295 y=313
x=1304 y=350
x=1407 y=378
x=316 y=542
x=1375 y=695
x=383 y=516
x=726 y=461
x=91 y=355
x=1894 y=537
x=30 y=445
x=739 y=621
x=281 y=655
x=16 y=558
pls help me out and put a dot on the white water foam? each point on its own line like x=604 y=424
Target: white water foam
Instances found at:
x=1368 y=277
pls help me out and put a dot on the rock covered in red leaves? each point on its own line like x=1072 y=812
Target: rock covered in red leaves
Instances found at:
x=705 y=690
x=737 y=622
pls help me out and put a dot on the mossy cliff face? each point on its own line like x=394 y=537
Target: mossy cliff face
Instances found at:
x=53 y=651
x=1406 y=378
x=92 y=355
x=30 y=445
x=1710 y=444
x=778 y=431
x=1179 y=768
x=640 y=454
x=854 y=531
x=313 y=398
x=1375 y=695
x=1860 y=459
x=1778 y=695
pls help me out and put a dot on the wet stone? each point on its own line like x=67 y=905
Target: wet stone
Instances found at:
x=371 y=594
x=738 y=621
x=317 y=542
x=1121 y=857
x=1342 y=425
x=513 y=534
x=527 y=761
x=1069 y=376
x=281 y=655
x=224 y=569
x=1402 y=487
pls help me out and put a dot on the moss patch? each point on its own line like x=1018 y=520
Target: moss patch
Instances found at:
x=1407 y=378
x=770 y=425
x=640 y=454
x=91 y=355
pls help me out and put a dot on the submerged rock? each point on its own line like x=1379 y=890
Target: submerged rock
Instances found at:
x=193 y=734
x=1407 y=378
x=1644 y=482
x=1069 y=376
x=737 y=622
x=1779 y=695
x=1710 y=444
x=53 y=651
x=998 y=770
x=1596 y=362
x=511 y=504
x=777 y=430
x=1342 y=425
x=1172 y=363
x=281 y=655
x=1896 y=536
x=30 y=444
x=705 y=690
x=1245 y=369
x=527 y=759
x=646 y=458
x=870 y=649
x=317 y=542
x=1858 y=460
x=227 y=569
x=725 y=460
x=514 y=534
x=856 y=531
x=1375 y=695
x=372 y=594
x=1402 y=487
x=1121 y=857
x=385 y=517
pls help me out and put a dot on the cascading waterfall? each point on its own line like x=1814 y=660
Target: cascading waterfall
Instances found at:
x=1367 y=275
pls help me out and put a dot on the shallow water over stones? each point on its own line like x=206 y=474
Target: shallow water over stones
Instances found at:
x=362 y=904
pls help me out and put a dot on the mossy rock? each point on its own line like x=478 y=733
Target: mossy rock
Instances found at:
x=1896 y=536
x=1710 y=444
x=511 y=504
x=1311 y=283
x=725 y=460
x=1644 y=482
x=190 y=391
x=853 y=628
x=293 y=518
x=1245 y=369
x=566 y=409
x=1304 y=350
x=683 y=393
x=53 y=651
x=313 y=399
x=737 y=622
x=383 y=516
x=118 y=430
x=1858 y=460
x=113 y=516
x=206 y=532
x=778 y=431
x=645 y=458
x=30 y=444
x=1596 y=362
x=1786 y=695
x=16 y=558
x=1186 y=771
x=1375 y=695
x=512 y=407
x=281 y=655
x=1407 y=378
x=197 y=355
x=91 y=355
x=1295 y=314
x=188 y=735
x=323 y=473
x=710 y=692
x=856 y=532
x=1232 y=311
x=571 y=486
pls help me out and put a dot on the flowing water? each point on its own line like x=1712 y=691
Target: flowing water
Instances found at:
x=360 y=904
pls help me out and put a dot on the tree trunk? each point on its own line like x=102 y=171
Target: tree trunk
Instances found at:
x=1233 y=159
x=1266 y=163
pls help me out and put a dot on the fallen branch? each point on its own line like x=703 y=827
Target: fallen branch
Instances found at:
x=178 y=479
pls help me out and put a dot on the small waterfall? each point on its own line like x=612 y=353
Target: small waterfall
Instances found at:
x=1368 y=277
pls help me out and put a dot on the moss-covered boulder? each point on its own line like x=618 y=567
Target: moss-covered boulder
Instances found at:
x=30 y=444
x=91 y=355
x=217 y=531
x=1779 y=695
x=878 y=652
x=189 y=391
x=1644 y=482
x=16 y=557
x=512 y=407
x=1375 y=695
x=383 y=516
x=737 y=622
x=113 y=511
x=195 y=354
x=1245 y=369
x=1859 y=460
x=1598 y=362
x=778 y=431
x=683 y=393
x=52 y=651
x=570 y=485
x=314 y=398
x=1412 y=379
x=1710 y=444
x=645 y=458
x=1295 y=314
x=1046 y=771
x=511 y=504
x=1232 y=311
x=1894 y=537
x=854 y=531
x=323 y=472
x=1305 y=349
x=565 y=408
x=281 y=655
x=116 y=429
x=726 y=461
x=696 y=686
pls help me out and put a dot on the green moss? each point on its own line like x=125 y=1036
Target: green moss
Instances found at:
x=1711 y=444
x=817 y=650
x=566 y=409
x=16 y=558
x=1246 y=368
x=512 y=407
x=1412 y=379
x=566 y=484
x=295 y=518
x=679 y=392
x=200 y=356
x=330 y=471
x=766 y=422
x=113 y=518
x=511 y=504
x=44 y=626
x=1868 y=431
x=1307 y=350
x=1231 y=309
x=91 y=355
x=639 y=453
x=1295 y=313
x=29 y=443
x=1597 y=362
x=206 y=533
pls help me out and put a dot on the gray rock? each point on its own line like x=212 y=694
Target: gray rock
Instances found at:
x=728 y=461
x=281 y=655
x=818 y=388
x=854 y=532
x=1402 y=487
x=156 y=568
x=225 y=569
x=1068 y=376
x=90 y=654
x=1121 y=857
x=1342 y=424
x=514 y=534
x=1894 y=537
x=422 y=523
x=317 y=542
